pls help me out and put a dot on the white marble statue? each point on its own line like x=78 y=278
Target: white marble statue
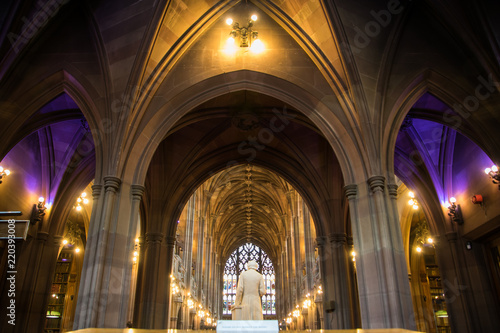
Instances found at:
x=251 y=288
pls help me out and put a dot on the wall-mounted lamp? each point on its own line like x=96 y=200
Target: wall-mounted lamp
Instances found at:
x=82 y=199
x=413 y=202
x=454 y=211
x=248 y=37
x=3 y=173
x=38 y=211
x=493 y=173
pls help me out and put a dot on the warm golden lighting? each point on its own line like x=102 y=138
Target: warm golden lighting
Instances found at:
x=254 y=17
x=65 y=241
x=137 y=240
x=453 y=200
x=134 y=259
x=430 y=240
x=229 y=21
x=257 y=46
x=419 y=249
x=77 y=250
x=411 y=194
x=41 y=199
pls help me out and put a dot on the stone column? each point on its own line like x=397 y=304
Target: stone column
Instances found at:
x=384 y=291
x=337 y=305
x=137 y=192
x=155 y=291
x=90 y=256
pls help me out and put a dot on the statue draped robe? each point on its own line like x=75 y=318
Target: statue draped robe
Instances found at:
x=251 y=288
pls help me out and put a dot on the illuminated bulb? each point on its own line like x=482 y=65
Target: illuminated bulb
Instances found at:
x=257 y=46
x=136 y=253
x=419 y=249
x=411 y=202
x=41 y=199
x=77 y=250
x=412 y=195
x=1 y=169
x=65 y=241
x=453 y=200
x=494 y=168
x=137 y=240
x=430 y=240
x=79 y=200
x=230 y=41
x=7 y=172
x=415 y=206
x=84 y=194
x=85 y=201
x=254 y=17
x=229 y=21
x=486 y=171
x=353 y=253
x=134 y=259
x=78 y=208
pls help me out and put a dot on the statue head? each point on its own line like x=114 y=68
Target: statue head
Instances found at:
x=252 y=264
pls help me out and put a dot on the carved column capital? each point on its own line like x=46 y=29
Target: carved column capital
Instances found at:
x=337 y=238
x=351 y=191
x=154 y=237
x=376 y=183
x=96 y=191
x=321 y=241
x=112 y=184
x=42 y=237
x=170 y=241
x=137 y=191
x=393 y=191
x=58 y=240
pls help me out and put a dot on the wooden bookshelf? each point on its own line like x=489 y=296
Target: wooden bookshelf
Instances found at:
x=59 y=288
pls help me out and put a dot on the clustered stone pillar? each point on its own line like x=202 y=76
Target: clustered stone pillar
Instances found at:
x=104 y=293
x=337 y=305
x=384 y=291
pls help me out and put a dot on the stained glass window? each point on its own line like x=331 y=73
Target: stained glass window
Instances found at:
x=236 y=264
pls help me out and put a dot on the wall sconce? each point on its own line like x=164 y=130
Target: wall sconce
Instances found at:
x=454 y=211
x=3 y=173
x=81 y=199
x=38 y=210
x=248 y=37
x=493 y=173
x=413 y=202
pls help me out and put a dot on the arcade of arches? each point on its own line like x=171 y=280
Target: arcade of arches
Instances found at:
x=347 y=158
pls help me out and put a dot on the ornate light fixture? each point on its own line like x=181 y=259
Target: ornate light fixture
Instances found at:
x=493 y=173
x=3 y=173
x=454 y=211
x=81 y=199
x=413 y=202
x=248 y=37
x=39 y=210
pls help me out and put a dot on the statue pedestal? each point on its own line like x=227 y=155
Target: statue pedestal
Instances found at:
x=236 y=313
x=250 y=326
